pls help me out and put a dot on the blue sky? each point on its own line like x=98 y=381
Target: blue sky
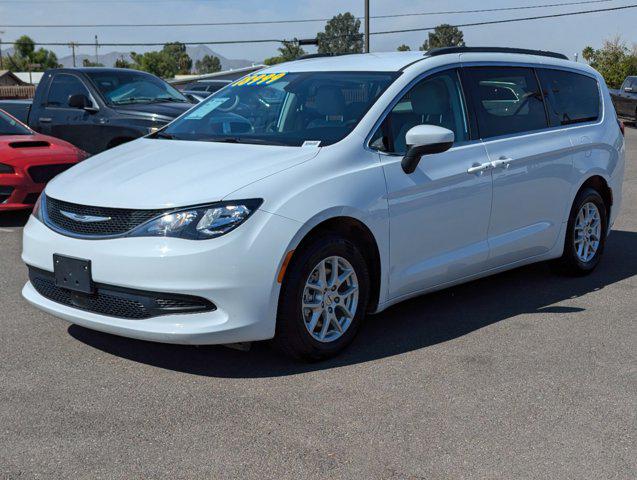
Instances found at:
x=567 y=35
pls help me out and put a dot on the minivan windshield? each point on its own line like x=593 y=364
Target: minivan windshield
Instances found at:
x=127 y=87
x=9 y=126
x=283 y=108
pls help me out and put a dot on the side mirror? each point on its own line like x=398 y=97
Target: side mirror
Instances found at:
x=192 y=98
x=628 y=89
x=425 y=140
x=82 y=102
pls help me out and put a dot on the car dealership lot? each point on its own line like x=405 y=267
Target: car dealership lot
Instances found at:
x=522 y=375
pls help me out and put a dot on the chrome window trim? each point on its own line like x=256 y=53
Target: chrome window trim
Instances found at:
x=599 y=121
x=459 y=65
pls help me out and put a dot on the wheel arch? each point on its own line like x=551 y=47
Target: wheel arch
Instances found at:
x=601 y=185
x=355 y=230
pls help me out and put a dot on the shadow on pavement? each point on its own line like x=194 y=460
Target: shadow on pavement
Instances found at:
x=411 y=325
x=16 y=218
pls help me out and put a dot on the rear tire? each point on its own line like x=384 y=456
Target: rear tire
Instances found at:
x=313 y=322
x=585 y=235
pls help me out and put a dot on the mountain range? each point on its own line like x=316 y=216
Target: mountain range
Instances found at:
x=196 y=53
x=108 y=59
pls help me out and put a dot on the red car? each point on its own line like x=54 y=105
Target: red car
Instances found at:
x=28 y=161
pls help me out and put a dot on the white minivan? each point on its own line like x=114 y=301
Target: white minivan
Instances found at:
x=296 y=200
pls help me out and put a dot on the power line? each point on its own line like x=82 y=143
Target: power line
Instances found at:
x=510 y=20
x=384 y=32
x=306 y=20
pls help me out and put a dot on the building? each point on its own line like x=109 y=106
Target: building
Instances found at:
x=10 y=79
x=12 y=86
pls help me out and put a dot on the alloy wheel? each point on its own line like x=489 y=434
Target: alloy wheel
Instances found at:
x=588 y=228
x=330 y=299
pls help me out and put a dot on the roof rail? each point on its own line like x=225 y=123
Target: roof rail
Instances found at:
x=313 y=55
x=319 y=55
x=434 y=52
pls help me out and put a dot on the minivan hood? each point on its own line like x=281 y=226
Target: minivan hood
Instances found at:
x=158 y=173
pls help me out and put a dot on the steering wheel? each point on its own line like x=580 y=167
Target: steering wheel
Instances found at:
x=525 y=99
x=226 y=121
x=234 y=102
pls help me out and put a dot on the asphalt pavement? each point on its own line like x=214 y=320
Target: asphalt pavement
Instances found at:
x=525 y=375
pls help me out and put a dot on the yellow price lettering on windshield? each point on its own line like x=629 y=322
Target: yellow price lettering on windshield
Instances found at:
x=259 y=79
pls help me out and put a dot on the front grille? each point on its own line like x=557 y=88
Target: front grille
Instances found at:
x=118 y=302
x=44 y=173
x=120 y=220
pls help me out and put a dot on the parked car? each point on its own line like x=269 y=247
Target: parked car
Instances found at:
x=205 y=88
x=625 y=99
x=28 y=161
x=99 y=108
x=364 y=181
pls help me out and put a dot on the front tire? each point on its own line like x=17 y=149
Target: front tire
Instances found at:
x=323 y=299
x=586 y=234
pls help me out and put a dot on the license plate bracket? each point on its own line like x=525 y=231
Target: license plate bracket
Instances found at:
x=73 y=273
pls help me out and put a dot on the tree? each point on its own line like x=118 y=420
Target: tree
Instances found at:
x=121 y=62
x=157 y=63
x=287 y=52
x=25 y=56
x=341 y=35
x=88 y=63
x=208 y=64
x=404 y=48
x=171 y=60
x=177 y=51
x=24 y=46
x=615 y=61
x=444 y=35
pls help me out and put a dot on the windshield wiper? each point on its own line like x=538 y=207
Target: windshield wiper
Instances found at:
x=169 y=99
x=256 y=141
x=132 y=100
x=162 y=134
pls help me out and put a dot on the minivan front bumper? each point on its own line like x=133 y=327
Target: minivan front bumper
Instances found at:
x=236 y=273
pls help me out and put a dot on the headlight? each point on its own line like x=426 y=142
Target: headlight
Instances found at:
x=37 y=208
x=199 y=223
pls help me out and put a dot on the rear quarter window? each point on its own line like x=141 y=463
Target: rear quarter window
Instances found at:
x=570 y=97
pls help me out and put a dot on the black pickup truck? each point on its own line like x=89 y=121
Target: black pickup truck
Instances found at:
x=98 y=108
x=625 y=99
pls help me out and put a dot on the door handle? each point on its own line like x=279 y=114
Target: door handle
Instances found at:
x=479 y=168
x=504 y=162
x=45 y=119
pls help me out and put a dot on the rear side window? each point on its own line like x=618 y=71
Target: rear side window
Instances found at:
x=506 y=100
x=62 y=88
x=570 y=97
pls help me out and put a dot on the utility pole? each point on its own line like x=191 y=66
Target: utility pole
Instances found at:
x=97 y=58
x=366 y=26
x=1 y=60
x=72 y=45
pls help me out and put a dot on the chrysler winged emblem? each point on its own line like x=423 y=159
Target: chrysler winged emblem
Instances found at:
x=84 y=218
